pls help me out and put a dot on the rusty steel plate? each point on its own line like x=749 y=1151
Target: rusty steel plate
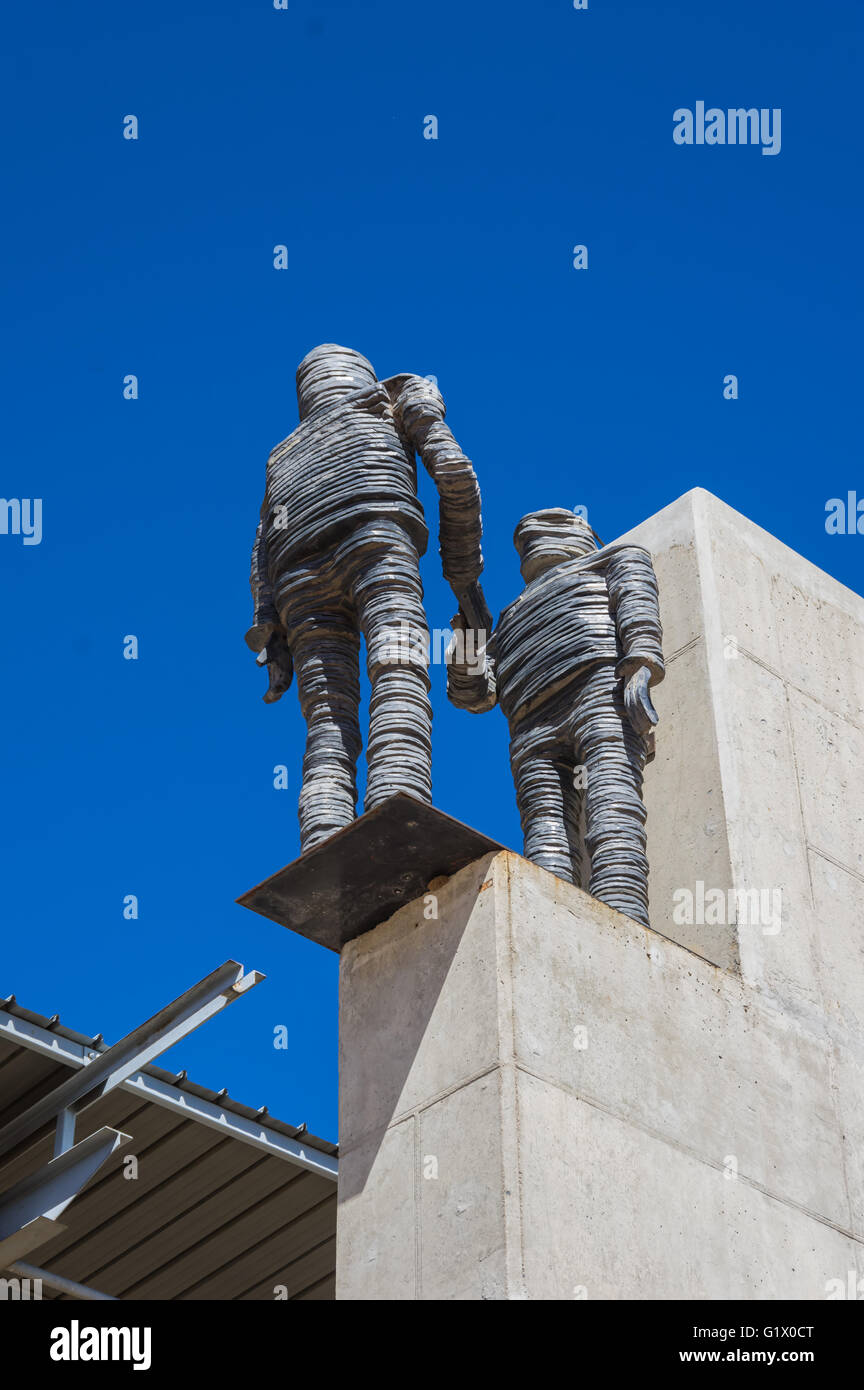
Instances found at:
x=361 y=875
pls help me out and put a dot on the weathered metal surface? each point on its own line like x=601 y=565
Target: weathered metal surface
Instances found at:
x=366 y=872
x=336 y=556
x=571 y=662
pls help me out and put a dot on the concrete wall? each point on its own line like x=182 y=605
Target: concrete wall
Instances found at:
x=541 y=1099
x=704 y=1135
x=758 y=783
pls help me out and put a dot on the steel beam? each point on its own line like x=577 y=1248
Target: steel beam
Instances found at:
x=116 y=1064
x=260 y=1136
x=37 y=1232
x=180 y=1102
x=43 y=1196
x=64 y=1136
x=57 y=1281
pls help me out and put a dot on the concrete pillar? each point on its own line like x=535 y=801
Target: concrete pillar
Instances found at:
x=758 y=783
x=540 y=1098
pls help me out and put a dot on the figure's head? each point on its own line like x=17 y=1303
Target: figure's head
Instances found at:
x=544 y=539
x=328 y=373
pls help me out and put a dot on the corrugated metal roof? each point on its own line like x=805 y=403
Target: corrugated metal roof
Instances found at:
x=228 y=1202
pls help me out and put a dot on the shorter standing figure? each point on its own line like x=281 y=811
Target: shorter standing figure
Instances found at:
x=571 y=662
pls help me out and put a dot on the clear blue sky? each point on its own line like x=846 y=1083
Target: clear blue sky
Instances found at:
x=451 y=257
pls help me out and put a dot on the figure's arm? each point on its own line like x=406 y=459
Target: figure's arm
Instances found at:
x=634 y=600
x=265 y=619
x=418 y=409
x=471 y=680
x=266 y=636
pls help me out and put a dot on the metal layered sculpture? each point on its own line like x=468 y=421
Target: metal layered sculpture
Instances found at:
x=337 y=554
x=570 y=663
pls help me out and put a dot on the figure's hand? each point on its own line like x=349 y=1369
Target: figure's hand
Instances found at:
x=258 y=636
x=456 y=647
x=470 y=678
x=467 y=650
x=280 y=667
x=637 y=701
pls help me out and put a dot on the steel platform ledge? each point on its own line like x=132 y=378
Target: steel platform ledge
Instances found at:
x=363 y=874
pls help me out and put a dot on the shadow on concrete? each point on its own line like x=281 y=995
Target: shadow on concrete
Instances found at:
x=399 y=1026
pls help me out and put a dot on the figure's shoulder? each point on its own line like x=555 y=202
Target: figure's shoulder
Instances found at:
x=621 y=548
x=395 y=385
x=414 y=399
x=284 y=446
x=371 y=400
x=548 y=586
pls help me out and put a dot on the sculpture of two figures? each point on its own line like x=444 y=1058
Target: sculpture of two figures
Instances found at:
x=570 y=661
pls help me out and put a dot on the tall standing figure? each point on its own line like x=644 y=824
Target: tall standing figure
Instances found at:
x=337 y=554
x=571 y=662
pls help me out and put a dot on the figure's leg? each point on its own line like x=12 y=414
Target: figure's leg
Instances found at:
x=572 y=786
x=614 y=759
x=321 y=633
x=544 y=806
x=388 y=595
x=328 y=684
